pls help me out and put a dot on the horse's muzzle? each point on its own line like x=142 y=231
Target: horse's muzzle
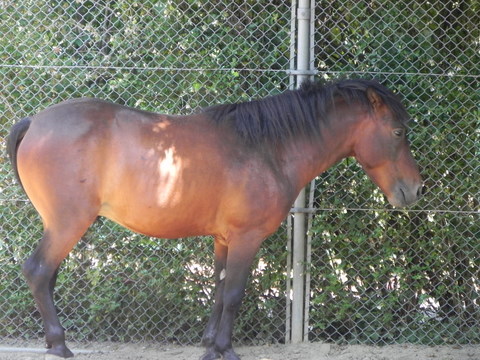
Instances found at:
x=404 y=195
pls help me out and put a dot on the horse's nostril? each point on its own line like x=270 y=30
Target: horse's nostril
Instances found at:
x=420 y=191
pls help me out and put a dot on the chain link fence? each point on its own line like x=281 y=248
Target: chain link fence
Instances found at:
x=165 y=56
x=377 y=275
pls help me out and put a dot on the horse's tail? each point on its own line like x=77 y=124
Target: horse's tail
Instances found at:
x=14 y=139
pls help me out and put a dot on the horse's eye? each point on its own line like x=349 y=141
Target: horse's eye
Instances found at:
x=398 y=132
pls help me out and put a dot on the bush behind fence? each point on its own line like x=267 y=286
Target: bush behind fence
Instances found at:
x=377 y=275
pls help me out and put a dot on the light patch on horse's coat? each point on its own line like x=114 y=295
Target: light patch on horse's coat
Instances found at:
x=169 y=172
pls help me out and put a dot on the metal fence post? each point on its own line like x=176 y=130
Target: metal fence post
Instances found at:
x=303 y=72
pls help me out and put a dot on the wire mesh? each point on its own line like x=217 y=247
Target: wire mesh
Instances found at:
x=378 y=275
x=165 y=56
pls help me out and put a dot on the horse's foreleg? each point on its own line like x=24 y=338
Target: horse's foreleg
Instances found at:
x=241 y=252
x=208 y=339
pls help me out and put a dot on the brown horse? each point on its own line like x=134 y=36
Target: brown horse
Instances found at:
x=231 y=171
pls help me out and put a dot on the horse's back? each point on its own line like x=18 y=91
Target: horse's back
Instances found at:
x=75 y=117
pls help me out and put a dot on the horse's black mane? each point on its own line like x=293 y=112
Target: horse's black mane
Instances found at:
x=296 y=112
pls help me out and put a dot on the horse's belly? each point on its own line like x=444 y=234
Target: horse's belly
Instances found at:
x=173 y=222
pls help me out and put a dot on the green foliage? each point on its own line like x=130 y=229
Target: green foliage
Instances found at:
x=165 y=56
x=389 y=273
x=378 y=276
x=383 y=276
x=142 y=54
x=120 y=286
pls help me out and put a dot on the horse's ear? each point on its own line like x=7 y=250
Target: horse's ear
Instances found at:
x=374 y=99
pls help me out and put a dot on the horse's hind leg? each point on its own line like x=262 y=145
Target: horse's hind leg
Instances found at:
x=41 y=270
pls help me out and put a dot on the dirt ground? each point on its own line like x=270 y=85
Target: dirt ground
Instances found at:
x=314 y=351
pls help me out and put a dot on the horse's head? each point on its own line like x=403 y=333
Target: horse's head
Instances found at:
x=383 y=151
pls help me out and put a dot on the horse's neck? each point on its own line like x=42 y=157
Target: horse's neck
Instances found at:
x=304 y=159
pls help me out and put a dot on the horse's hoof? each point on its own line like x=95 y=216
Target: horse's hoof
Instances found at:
x=230 y=355
x=60 y=350
x=211 y=354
